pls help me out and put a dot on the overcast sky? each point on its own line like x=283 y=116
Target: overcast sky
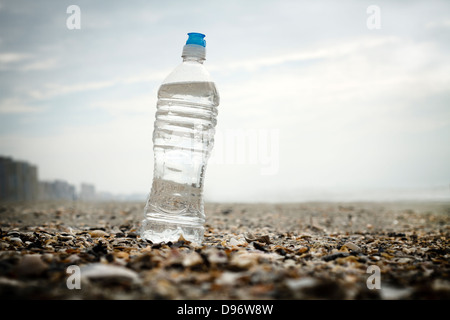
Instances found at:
x=320 y=101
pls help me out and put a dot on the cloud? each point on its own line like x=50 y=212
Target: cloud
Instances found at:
x=12 y=57
x=324 y=51
x=444 y=24
x=51 y=89
x=25 y=62
x=142 y=104
x=56 y=89
x=39 y=65
x=17 y=106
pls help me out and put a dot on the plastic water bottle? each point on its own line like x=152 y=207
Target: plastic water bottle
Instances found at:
x=183 y=138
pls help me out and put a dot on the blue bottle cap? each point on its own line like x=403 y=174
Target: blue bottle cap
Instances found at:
x=196 y=38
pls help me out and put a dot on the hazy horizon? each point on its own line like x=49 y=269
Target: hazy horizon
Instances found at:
x=314 y=102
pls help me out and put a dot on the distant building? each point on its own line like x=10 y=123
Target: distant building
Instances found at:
x=18 y=180
x=56 y=190
x=87 y=192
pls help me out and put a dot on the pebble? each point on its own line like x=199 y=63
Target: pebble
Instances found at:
x=301 y=250
x=10 y=283
x=48 y=257
x=192 y=259
x=216 y=257
x=300 y=284
x=289 y=263
x=16 y=240
x=65 y=237
x=98 y=234
x=243 y=261
x=334 y=256
x=352 y=247
x=264 y=238
x=13 y=234
x=122 y=255
x=165 y=289
x=73 y=258
x=31 y=265
x=100 y=271
x=394 y=293
x=404 y=260
x=235 y=242
x=228 y=278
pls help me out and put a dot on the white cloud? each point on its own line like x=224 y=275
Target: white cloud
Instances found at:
x=49 y=90
x=9 y=58
x=142 y=104
x=333 y=50
x=39 y=64
x=438 y=24
x=16 y=105
x=365 y=77
x=25 y=62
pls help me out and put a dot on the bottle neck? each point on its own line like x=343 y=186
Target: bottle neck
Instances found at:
x=193 y=59
x=194 y=53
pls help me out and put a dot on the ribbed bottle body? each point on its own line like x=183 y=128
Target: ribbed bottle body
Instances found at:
x=183 y=138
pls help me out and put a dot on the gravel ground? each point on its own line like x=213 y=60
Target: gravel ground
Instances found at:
x=251 y=251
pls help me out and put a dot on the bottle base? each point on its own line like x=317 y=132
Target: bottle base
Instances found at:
x=159 y=231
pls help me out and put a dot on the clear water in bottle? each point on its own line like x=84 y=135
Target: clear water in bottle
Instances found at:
x=183 y=139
